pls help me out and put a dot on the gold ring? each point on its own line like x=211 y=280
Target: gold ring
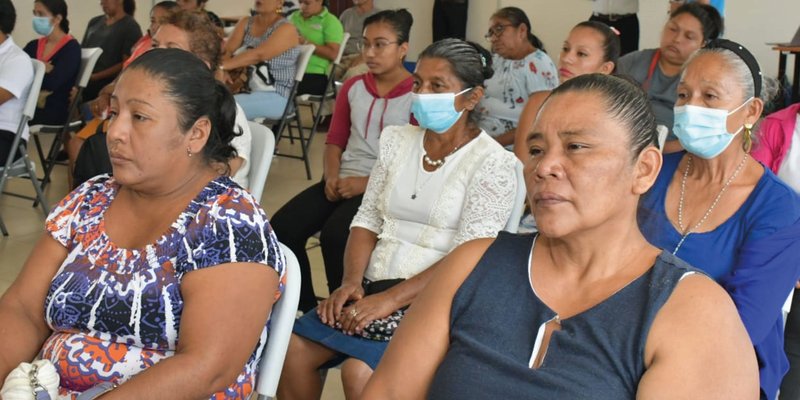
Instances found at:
x=353 y=312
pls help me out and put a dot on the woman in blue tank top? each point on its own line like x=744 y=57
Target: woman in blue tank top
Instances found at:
x=586 y=308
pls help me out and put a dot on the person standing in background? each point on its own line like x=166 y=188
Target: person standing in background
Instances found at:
x=718 y=4
x=116 y=31
x=353 y=22
x=450 y=19
x=620 y=15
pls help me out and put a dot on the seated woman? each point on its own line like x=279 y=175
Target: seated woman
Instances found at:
x=521 y=69
x=777 y=148
x=317 y=26
x=617 y=318
x=591 y=47
x=163 y=267
x=60 y=53
x=365 y=105
x=720 y=210
x=16 y=76
x=271 y=44
x=689 y=27
x=191 y=32
x=433 y=187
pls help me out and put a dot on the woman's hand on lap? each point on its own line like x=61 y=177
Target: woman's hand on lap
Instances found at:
x=329 y=310
x=357 y=316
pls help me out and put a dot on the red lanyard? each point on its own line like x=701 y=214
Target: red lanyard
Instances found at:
x=43 y=41
x=651 y=71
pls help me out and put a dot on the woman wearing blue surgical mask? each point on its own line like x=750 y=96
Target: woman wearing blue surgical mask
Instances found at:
x=717 y=208
x=61 y=55
x=433 y=187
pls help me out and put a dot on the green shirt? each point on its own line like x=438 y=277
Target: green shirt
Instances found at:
x=319 y=29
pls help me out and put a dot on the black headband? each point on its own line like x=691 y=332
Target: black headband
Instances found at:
x=745 y=55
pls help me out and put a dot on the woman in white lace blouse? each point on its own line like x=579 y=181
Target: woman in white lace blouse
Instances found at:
x=433 y=187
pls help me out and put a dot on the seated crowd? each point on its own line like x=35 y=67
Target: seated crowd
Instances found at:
x=657 y=267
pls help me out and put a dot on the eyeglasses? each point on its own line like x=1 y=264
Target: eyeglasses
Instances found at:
x=378 y=46
x=496 y=31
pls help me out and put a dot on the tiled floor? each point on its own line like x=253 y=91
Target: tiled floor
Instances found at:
x=286 y=179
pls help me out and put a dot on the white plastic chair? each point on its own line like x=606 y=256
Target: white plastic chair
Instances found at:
x=262 y=147
x=23 y=165
x=519 y=200
x=280 y=329
x=88 y=60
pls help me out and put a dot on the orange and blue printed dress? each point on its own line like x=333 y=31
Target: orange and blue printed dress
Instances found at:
x=114 y=311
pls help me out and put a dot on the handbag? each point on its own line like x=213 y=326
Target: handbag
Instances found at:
x=39 y=381
x=382 y=329
x=261 y=79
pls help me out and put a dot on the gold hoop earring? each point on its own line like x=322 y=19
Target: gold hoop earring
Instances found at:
x=748 y=138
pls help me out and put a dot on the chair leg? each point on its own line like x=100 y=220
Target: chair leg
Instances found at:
x=304 y=145
x=51 y=159
x=3 y=226
x=39 y=150
x=37 y=187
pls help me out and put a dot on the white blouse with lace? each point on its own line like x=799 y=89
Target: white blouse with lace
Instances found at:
x=469 y=197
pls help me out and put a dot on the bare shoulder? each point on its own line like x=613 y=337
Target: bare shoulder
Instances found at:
x=457 y=265
x=698 y=346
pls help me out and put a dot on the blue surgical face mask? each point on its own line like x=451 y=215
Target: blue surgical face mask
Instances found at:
x=436 y=111
x=703 y=131
x=42 y=25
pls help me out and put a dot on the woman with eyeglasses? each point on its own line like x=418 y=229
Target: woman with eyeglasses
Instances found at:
x=364 y=106
x=521 y=68
x=433 y=187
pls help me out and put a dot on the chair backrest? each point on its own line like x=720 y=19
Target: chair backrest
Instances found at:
x=262 y=147
x=33 y=94
x=88 y=60
x=338 y=59
x=662 y=132
x=519 y=200
x=306 y=51
x=282 y=319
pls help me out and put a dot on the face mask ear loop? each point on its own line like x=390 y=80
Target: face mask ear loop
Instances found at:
x=459 y=94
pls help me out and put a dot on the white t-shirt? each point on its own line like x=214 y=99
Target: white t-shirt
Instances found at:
x=789 y=170
x=16 y=75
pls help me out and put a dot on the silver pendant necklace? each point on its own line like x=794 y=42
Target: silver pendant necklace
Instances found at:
x=685 y=231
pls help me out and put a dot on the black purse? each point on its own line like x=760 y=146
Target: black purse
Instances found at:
x=382 y=329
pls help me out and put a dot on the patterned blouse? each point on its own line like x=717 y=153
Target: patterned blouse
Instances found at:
x=115 y=312
x=281 y=67
x=508 y=89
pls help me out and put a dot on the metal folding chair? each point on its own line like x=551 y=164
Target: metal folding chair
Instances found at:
x=88 y=60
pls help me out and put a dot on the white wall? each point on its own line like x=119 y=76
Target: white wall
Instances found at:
x=749 y=22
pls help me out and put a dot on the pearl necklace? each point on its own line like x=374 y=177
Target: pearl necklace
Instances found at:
x=686 y=231
x=433 y=163
x=438 y=163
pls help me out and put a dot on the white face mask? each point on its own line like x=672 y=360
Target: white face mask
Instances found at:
x=703 y=131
